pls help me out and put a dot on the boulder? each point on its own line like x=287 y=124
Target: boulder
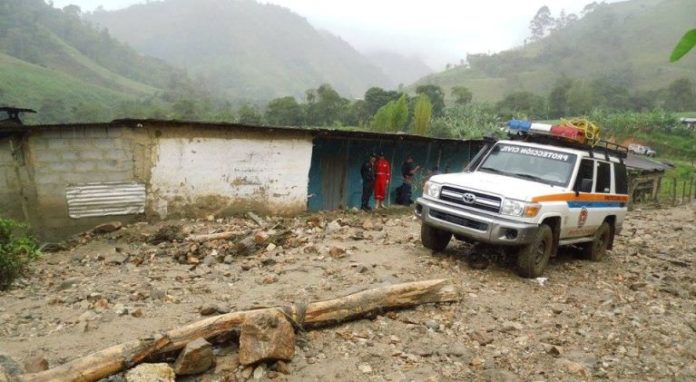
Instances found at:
x=35 y=364
x=151 y=372
x=196 y=358
x=266 y=336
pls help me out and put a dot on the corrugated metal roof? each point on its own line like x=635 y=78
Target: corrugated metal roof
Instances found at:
x=642 y=163
x=105 y=199
x=316 y=131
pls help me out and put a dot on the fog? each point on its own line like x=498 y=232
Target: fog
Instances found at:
x=438 y=32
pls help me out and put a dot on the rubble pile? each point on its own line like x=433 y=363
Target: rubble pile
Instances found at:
x=630 y=317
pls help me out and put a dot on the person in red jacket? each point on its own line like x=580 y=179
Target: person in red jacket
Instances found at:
x=382 y=178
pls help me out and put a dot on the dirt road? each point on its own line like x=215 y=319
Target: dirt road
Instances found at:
x=630 y=317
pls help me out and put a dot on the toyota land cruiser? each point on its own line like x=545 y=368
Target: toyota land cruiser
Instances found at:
x=531 y=194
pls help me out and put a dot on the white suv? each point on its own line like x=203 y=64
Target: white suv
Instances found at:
x=532 y=195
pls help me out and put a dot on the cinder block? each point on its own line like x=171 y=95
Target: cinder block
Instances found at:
x=60 y=166
x=70 y=156
x=85 y=166
x=96 y=132
x=90 y=154
x=49 y=178
x=58 y=144
x=114 y=132
x=104 y=143
x=117 y=176
x=47 y=156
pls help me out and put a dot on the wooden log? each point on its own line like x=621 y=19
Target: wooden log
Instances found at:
x=117 y=358
x=214 y=236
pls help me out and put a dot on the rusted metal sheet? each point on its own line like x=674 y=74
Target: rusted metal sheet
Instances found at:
x=105 y=199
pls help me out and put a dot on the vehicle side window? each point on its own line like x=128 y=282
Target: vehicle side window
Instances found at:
x=621 y=178
x=585 y=179
x=603 y=178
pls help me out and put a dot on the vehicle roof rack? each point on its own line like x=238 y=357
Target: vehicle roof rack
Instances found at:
x=602 y=147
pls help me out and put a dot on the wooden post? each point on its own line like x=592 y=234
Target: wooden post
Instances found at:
x=674 y=192
x=683 y=193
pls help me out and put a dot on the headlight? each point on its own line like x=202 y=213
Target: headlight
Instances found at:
x=518 y=208
x=432 y=189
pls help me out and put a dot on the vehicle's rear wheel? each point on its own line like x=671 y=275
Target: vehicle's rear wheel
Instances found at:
x=434 y=238
x=596 y=250
x=533 y=257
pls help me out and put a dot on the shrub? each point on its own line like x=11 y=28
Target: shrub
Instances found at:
x=17 y=250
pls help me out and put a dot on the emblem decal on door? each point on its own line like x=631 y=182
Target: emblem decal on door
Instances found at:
x=582 y=219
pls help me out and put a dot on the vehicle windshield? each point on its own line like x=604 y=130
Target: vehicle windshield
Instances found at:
x=530 y=163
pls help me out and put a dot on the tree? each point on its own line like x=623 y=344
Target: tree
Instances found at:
x=325 y=107
x=541 y=23
x=680 y=95
x=376 y=97
x=284 y=111
x=522 y=105
x=392 y=117
x=462 y=95
x=422 y=115
x=436 y=95
x=558 y=98
x=581 y=98
x=248 y=115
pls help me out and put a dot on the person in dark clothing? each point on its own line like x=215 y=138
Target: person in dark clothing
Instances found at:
x=405 y=192
x=367 y=172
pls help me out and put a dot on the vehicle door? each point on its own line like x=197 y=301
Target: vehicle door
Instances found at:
x=603 y=202
x=575 y=224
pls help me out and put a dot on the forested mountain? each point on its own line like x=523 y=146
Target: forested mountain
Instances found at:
x=625 y=44
x=52 y=61
x=247 y=49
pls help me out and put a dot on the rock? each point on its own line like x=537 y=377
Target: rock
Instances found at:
x=266 y=336
x=151 y=372
x=259 y=372
x=509 y=326
x=432 y=325
x=138 y=313
x=229 y=259
x=500 y=375
x=261 y=238
x=460 y=351
x=116 y=258
x=107 y=227
x=554 y=350
x=572 y=367
x=332 y=227
x=120 y=309
x=35 y=364
x=210 y=260
x=368 y=225
x=271 y=247
x=196 y=358
x=557 y=308
x=365 y=368
x=337 y=252
x=8 y=365
x=481 y=337
x=281 y=367
x=226 y=364
x=212 y=309
x=69 y=283
x=247 y=372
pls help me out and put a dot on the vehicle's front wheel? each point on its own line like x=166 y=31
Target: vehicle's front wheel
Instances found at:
x=533 y=258
x=435 y=239
x=597 y=249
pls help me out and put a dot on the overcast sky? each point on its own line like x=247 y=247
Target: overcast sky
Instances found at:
x=438 y=31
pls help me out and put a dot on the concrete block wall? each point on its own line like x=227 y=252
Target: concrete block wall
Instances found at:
x=67 y=156
x=9 y=184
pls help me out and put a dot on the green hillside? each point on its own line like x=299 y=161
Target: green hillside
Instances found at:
x=627 y=42
x=245 y=48
x=50 y=60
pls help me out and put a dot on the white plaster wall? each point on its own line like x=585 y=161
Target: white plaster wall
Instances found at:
x=273 y=172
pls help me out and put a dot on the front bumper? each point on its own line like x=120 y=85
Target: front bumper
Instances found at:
x=473 y=225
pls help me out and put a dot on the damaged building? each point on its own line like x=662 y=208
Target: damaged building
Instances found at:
x=63 y=179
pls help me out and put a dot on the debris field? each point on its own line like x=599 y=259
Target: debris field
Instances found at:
x=629 y=317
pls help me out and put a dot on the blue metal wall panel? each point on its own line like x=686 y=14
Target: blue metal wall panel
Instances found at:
x=323 y=179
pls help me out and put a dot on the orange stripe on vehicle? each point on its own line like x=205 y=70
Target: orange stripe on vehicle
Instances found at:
x=570 y=197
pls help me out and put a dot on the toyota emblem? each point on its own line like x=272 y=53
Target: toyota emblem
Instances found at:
x=469 y=198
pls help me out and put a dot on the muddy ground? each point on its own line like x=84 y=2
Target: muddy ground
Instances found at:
x=630 y=317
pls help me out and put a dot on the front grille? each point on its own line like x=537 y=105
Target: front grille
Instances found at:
x=458 y=220
x=483 y=202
